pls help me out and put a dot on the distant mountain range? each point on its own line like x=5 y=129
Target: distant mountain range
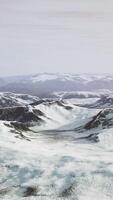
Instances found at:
x=47 y=84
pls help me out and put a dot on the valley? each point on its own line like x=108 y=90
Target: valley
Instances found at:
x=55 y=149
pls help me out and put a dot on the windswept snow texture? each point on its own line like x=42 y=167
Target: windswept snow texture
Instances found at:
x=53 y=160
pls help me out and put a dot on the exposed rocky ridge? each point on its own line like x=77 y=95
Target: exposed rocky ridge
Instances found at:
x=26 y=115
x=20 y=114
x=104 y=119
x=12 y=100
x=44 y=101
x=23 y=117
x=50 y=102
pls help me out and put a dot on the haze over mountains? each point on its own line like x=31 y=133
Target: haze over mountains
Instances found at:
x=45 y=84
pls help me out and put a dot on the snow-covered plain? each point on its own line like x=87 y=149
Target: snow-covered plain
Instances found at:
x=56 y=166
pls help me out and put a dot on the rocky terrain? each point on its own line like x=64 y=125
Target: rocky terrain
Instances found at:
x=55 y=149
x=8 y=99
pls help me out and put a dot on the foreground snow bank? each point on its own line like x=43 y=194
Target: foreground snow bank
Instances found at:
x=48 y=168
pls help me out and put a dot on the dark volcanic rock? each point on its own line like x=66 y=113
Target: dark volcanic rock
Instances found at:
x=50 y=102
x=62 y=104
x=104 y=119
x=20 y=114
x=19 y=126
x=36 y=103
x=30 y=191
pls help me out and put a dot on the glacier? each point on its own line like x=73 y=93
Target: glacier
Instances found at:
x=56 y=162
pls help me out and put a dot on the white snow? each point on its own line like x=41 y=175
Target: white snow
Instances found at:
x=81 y=101
x=83 y=94
x=18 y=99
x=60 y=163
x=53 y=163
x=44 y=77
x=85 y=78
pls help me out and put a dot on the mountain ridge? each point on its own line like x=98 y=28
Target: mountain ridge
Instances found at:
x=45 y=84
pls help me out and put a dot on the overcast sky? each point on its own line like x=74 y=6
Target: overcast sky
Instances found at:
x=56 y=36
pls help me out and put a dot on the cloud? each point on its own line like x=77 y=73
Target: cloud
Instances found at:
x=56 y=36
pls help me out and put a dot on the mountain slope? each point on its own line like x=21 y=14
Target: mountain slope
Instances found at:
x=41 y=163
x=11 y=100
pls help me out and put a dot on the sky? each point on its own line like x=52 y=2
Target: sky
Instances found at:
x=64 y=36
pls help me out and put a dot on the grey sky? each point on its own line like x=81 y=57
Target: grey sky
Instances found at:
x=56 y=36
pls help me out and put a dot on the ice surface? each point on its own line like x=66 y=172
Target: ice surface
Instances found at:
x=57 y=167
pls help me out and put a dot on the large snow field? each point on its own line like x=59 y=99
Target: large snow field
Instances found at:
x=52 y=167
x=57 y=169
